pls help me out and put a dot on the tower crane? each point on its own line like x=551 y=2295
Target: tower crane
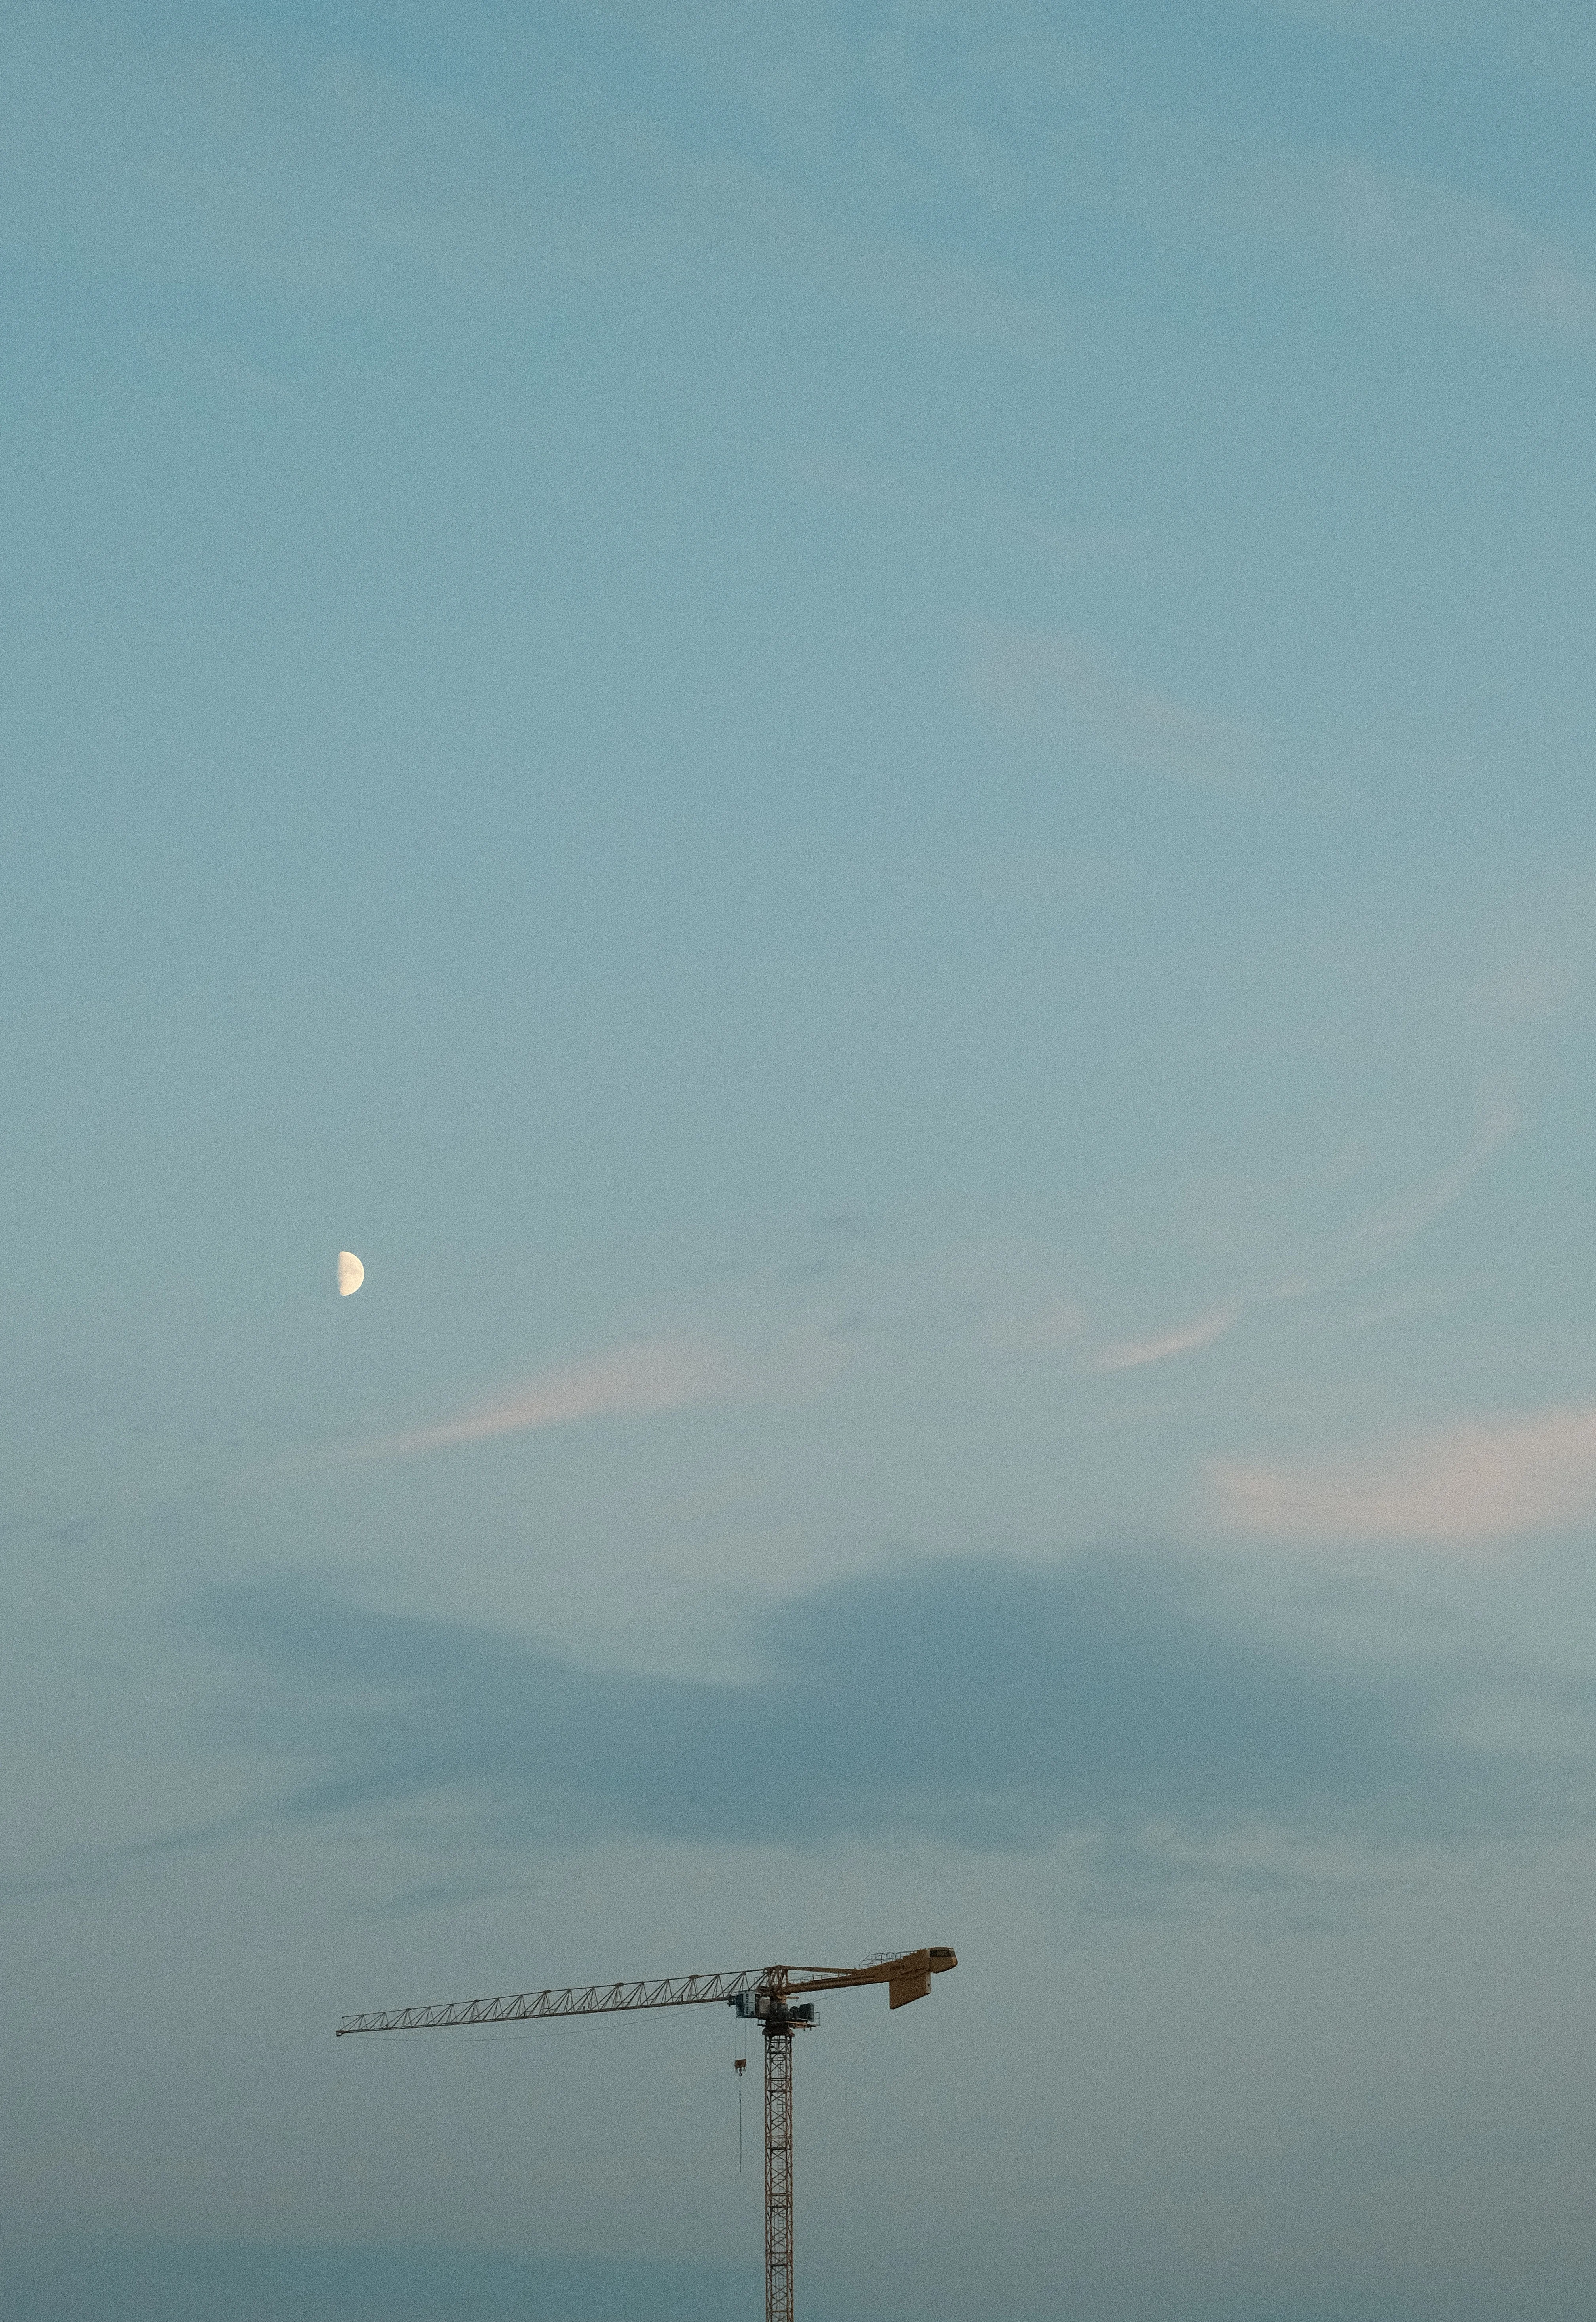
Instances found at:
x=772 y=1997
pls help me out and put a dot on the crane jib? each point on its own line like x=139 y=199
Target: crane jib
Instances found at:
x=907 y=1973
x=590 y=1999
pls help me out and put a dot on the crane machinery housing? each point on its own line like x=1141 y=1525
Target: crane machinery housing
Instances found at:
x=772 y=1997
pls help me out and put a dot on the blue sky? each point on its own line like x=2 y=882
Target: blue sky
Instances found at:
x=866 y=734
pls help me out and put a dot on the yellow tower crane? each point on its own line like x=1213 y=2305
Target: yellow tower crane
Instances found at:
x=772 y=1996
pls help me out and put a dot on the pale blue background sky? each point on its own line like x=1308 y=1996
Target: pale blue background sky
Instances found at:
x=866 y=734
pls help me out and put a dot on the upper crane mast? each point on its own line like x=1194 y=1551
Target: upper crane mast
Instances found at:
x=770 y=1995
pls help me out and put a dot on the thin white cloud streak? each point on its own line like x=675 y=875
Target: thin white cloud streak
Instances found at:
x=648 y=1376
x=1368 y=1246
x=672 y=1373
x=1136 y=1353
x=1483 y=1480
x=177 y=162
x=206 y=161
x=1531 y=988
x=1379 y=1236
x=1471 y=257
x=1063 y=688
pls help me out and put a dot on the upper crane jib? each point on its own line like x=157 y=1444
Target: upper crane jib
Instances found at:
x=907 y=1974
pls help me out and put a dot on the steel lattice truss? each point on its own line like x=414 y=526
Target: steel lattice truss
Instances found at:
x=778 y=2173
x=590 y=1999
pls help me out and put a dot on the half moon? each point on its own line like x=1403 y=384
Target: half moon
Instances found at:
x=351 y=1273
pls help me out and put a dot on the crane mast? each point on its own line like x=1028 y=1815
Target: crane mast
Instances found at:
x=779 y=2171
x=772 y=1996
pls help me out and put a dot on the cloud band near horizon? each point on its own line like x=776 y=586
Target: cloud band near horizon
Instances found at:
x=985 y=1703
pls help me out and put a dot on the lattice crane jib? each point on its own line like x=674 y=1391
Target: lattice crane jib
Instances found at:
x=773 y=1997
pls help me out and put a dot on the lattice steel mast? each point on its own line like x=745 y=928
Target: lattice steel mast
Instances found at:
x=770 y=1995
x=778 y=2172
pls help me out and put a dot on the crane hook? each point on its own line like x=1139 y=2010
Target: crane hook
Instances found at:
x=739 y=2065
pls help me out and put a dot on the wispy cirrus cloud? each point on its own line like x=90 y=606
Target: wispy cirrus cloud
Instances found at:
x=1482 y=1480
x=1066 y=689
x=1368 y=1245
x=1136 y=1352
x=1380 y=1236
x=1472 y=259
x=750 y=1353
x=648 y=1376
